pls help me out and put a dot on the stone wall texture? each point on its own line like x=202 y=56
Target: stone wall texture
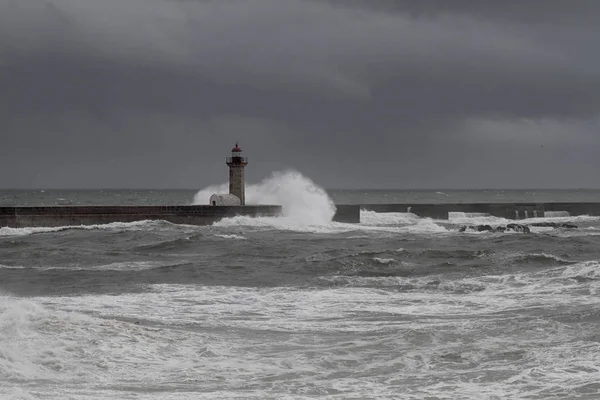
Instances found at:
x=20 y=217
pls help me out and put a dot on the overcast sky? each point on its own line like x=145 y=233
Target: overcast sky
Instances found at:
x=353 y=94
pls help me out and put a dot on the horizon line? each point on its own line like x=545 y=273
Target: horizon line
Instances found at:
x=326 y=189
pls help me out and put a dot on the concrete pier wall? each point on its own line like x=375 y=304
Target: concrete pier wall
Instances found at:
x=575 y=208
x=20 y=217
x=502 y=210
x=350 y=213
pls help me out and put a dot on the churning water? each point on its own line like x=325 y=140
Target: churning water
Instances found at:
x=299 y=307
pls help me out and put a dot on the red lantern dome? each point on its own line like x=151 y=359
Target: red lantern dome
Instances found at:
x=236 y=157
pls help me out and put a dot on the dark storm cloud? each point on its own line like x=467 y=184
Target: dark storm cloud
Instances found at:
x=371 y=93
x=536 y=12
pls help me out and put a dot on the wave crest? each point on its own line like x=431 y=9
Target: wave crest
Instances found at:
x=303 y=201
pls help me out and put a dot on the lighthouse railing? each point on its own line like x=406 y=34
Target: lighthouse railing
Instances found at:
x=237 y=160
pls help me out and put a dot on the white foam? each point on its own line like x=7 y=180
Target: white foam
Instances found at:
x=476 y=219
x=419 y=226
x=44 y=344
x=559 y=286
x=123 y=266
x=556 y=214
x=199 y=340
x=280 y=309
x=399 y=223
x=479 y=219
x=237 y=237
x=17 y=394
x=482 y=219
x=117 y=266
x=546 y=255
x=424 y=226
x=283 y=224
x=303 y=202
x=59 y=346
x=6 y=231
x=586 y=269
x=562 y=219
x=131 y=226
x=384 y=261
x=368 y=217
x=396 y=223
x=2 y=266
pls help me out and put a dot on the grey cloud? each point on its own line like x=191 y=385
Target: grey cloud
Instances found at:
x=121 y=83
x=534 y=11
x=312 y=50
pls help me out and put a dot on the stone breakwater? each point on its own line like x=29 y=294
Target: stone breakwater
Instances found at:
x=501 y=210
x=516 y=211
x=22 y=217
x=53 y=216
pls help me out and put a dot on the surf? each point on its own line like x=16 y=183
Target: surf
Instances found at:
x=304 y=202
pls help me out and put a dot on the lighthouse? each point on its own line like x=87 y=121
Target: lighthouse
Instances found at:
x=236 y=195
x=236 y=164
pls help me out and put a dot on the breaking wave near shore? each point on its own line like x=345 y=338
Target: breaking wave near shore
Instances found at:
x=303 y=201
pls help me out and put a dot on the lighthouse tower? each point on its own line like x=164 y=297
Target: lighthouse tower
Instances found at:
x=236 y=165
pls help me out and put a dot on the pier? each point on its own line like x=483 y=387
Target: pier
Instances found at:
x=56 y=216
x=350 y=213
x=220 y=205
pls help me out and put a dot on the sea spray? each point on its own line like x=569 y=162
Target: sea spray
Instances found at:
x=303 y=201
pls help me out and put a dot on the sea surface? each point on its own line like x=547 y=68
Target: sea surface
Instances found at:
x=299 y=307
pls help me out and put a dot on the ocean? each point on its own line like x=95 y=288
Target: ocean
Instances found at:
x=299 y=307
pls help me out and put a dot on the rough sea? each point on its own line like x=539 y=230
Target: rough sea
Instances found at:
x=299 y=307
